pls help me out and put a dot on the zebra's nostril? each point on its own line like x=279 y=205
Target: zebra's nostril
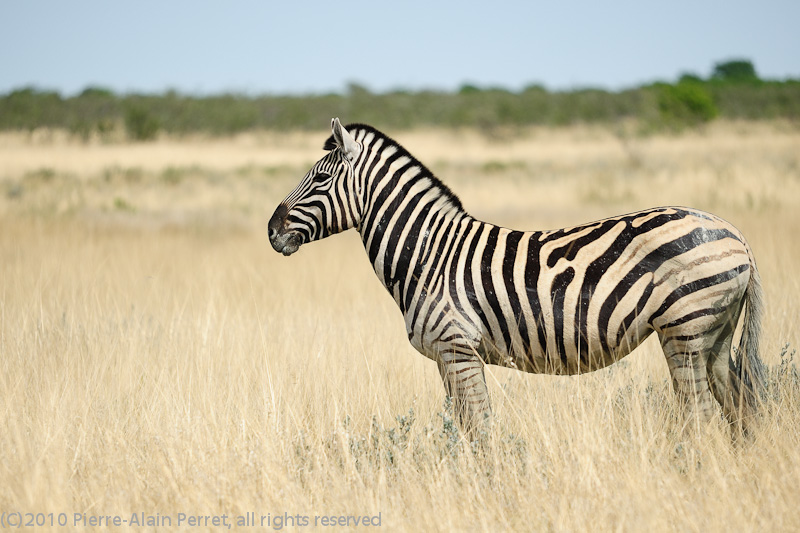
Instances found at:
x=272 y=233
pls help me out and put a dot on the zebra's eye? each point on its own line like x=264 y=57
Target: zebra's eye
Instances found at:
x=322 y=177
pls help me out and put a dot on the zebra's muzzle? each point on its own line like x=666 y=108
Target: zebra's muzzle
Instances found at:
x=282 y=240
x=286 y=243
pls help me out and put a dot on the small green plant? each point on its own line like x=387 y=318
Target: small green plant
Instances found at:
x=173 y=175
x=449 y=435
x=120 y=204
x=784 y=379
x=44 y=174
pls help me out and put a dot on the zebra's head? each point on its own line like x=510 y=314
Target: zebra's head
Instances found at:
x=324 y=203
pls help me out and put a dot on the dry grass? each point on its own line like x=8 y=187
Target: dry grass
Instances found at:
x=158 y=357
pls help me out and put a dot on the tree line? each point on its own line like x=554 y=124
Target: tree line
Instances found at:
x=733 y=90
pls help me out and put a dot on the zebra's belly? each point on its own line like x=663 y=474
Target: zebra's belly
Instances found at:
x=586 y=355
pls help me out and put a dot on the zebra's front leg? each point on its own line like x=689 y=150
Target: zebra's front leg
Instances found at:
x=465 y=383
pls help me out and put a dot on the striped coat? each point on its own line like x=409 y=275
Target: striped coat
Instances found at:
x=565 y=301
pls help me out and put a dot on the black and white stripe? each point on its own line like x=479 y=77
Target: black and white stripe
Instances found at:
x=565 y=301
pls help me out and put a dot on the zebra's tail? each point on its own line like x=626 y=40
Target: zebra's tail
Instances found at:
x=750 y=373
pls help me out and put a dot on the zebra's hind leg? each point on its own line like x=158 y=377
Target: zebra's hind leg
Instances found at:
x=721 y=370
x=687 y=357
x=727 y=385
x=465 y=383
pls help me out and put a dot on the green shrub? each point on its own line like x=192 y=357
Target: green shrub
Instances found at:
x=140 y=124
x=737 y=70
x=468 y=88
x=685 y=104
x=689 y=77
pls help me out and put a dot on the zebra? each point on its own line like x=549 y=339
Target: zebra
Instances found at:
x=563 y=302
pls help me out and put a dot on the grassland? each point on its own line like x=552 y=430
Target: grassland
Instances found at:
x=158 y=357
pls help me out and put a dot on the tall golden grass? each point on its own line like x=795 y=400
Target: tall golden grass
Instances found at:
x=158 y=357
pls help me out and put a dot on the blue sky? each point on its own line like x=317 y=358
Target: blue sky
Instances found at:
x=301 y=47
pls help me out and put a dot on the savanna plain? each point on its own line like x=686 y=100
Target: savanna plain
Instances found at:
x=158 y=357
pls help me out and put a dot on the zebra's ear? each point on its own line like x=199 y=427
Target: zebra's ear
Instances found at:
x=345 y=141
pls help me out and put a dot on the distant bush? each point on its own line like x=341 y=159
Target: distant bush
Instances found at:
x=97 y=92
x=29 y=108
x=140 y=124
x=468 y=88
x=735 y=71
x=686 y=104
x=765 y=100
x=689 y=77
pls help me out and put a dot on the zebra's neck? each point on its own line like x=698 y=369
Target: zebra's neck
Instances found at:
x=407 y=211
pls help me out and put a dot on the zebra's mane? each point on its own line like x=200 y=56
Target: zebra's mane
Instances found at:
x=425 y=172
